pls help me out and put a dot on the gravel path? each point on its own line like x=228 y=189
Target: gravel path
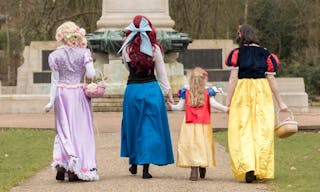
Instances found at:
x=113 y=170
x=114 y=175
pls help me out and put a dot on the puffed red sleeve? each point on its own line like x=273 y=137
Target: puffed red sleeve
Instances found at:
x=272 y=63
x=232 y=59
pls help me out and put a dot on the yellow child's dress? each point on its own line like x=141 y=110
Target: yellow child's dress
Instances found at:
x=196 y=142
x=251 y=113
x=196 y=146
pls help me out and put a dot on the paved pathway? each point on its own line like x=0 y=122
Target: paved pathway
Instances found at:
x=114 y=175
x=111 y=121
x=113 y=170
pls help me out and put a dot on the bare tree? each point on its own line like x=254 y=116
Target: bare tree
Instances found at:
x=37 y=20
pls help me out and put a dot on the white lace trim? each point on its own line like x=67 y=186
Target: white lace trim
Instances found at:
x=73 y=165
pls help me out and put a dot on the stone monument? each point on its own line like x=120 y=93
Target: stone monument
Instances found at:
x=106 y=41
x=33 y=83
x=117 y=14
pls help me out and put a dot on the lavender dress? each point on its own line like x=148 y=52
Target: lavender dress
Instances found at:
x=74 y=146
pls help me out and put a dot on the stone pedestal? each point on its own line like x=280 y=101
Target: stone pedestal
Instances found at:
x=225 y=45
x=292 y=91
x=117 y=75
x=175 y=71
x=22 y=103
x=118 y=14
x=34 y=73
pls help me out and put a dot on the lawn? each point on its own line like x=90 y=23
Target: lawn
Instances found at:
x=22 y=153
x=297 y=160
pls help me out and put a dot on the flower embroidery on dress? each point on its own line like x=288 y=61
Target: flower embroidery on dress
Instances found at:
x=84 y=170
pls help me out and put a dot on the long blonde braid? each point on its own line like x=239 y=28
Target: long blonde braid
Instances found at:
x=197 y=83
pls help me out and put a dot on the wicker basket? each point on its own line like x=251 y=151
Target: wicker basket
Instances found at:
x=95 y=89
x=287 y=127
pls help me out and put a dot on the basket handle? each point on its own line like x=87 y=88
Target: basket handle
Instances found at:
x=103 y=78
x=290 y=113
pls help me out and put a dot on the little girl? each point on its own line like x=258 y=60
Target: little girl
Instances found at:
x=195 y=145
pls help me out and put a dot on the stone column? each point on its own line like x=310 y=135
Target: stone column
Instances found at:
x=118 y=14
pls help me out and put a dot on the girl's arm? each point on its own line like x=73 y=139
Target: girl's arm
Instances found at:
x=177 y=107
x=215 y=104
x=233 y=79
x=274 y=87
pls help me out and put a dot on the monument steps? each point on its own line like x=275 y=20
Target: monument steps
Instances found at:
x=112 y=103
x=108 y=103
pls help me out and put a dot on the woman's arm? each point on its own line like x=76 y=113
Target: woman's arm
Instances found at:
x=90 y=71
x=53 y=90
x=161 y=73
x=274 y=87
x=170 y=97
x=179 y=106
x=233 y=79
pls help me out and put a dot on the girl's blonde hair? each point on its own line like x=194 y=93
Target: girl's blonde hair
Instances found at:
x=71 y=34
x=198 y=79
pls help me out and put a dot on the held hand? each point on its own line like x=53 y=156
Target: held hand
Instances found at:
x=48 y=107
x=169 y=106
x=228 y=102
x=171 y=100
x=283 y=107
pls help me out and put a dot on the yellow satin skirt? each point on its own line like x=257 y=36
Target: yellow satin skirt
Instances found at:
x=251 y=129
x=196 y=146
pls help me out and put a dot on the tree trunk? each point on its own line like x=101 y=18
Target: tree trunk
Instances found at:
x=245 y=16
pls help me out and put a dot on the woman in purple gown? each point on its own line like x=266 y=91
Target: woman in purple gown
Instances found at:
x=74 y=147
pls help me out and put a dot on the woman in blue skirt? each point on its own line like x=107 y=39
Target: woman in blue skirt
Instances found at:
x=145 y=135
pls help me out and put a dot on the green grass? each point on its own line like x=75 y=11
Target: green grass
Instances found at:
x=22 y=153
x=315 y=103
x=297 y=160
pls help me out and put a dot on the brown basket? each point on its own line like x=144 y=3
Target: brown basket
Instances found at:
x=286 y=128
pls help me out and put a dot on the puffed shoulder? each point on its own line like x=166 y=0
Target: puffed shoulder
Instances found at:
x=211 y=92
x=272 y=63
x=87 y=56
x=52 y=62
x=232 y=58
x=182 y=93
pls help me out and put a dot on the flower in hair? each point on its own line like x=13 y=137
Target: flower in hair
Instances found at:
x=74 y=38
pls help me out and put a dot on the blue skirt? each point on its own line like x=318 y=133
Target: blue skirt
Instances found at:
x=145 y=134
